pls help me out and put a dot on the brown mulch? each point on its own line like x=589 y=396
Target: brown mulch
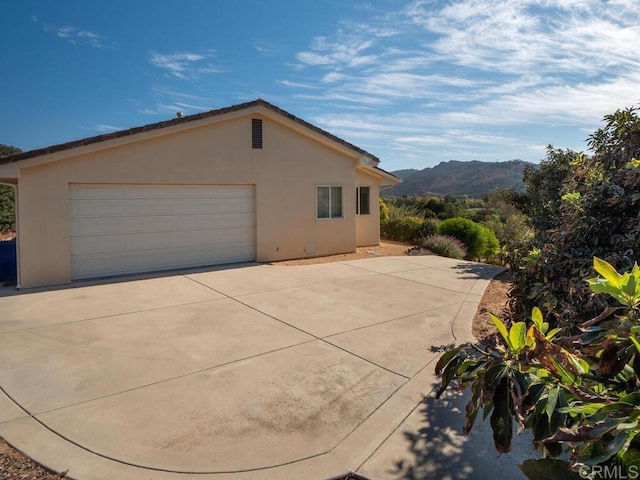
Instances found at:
x=15 y=465
x=387 y=248
x=494 y=300
x=8 y=235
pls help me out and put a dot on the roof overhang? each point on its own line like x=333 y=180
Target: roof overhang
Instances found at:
x=10 y=166
x=386 y=177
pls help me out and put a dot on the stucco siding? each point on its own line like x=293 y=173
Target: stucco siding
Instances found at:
x=285 y=174
x=368 y=226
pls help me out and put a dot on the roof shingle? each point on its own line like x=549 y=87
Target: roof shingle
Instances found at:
x=177 y=121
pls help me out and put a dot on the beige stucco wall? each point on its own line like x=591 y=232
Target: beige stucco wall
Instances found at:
x=368 y=226
x=285 y=174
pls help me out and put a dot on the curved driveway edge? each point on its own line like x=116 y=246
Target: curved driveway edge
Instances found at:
x=247 y=372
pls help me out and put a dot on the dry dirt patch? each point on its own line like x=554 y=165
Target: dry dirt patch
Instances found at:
x=386 y=248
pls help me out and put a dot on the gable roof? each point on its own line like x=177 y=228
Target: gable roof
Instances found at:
x=178 y=121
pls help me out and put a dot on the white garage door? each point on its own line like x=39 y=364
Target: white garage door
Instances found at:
x=119 y=229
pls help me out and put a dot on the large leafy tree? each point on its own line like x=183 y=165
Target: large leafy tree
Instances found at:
x=594 y=212
x=7 y=213
x=543 y=194
x=576 y=386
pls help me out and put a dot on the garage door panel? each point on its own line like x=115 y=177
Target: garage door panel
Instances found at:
x=139 y=207
x=142 y=242
x=95 y=191
x=149 y=261
x=126 y=229
x=87 y=226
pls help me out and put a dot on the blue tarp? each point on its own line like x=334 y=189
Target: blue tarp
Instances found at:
x=8 y=263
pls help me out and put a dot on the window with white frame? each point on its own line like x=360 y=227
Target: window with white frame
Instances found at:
x=329 y=201
x=363 y=196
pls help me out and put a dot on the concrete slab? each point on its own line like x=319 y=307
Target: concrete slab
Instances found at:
x=430 y=444
x=51 y=367
x=460 y=278
x=253 y=373
x=34 y=309
x=267 y=278
x=385 y=264
x=9 y=410
x=237 y=417
x=336 y=307
x=404 y=345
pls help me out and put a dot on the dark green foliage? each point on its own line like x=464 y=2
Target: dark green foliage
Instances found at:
x=597 y=214
x=479 y=240
x=444 y=245
x=7 y=207
x=579 y=395
x=407 y=228
x=6 y=150
x=544 y=185
x=7 y=196
x=467 y=231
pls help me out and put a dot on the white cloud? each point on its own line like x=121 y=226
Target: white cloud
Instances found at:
x=103 y=128
x=76 y=35
x=289 y=83
x=184 y=64
x=507 y=75
x=268 y=49
x=167 y=101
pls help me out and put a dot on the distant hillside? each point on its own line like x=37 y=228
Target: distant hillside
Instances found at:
x=473 y=179
x=404 y=174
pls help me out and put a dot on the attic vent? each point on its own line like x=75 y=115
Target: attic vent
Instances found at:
x=256 y=133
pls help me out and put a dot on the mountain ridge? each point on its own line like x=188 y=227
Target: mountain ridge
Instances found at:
x=454 y=177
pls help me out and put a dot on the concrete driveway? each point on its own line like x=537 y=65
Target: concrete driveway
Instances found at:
x=249 y=372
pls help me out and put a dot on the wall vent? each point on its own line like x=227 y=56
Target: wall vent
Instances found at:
x=256 y=133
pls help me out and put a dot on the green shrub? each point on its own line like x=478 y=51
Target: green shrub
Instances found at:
x=596 y=216
x=384 y=210
x=429 y=227
x=402 y=211
x=491 y=241
x=578 y=395
x=404 y=229
x=7 y=213
x=444 y=245
x=468 y=232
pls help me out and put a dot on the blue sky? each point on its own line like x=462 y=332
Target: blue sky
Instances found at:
x=414 y=82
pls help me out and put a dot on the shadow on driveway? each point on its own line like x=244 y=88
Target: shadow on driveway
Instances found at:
x=437 y=449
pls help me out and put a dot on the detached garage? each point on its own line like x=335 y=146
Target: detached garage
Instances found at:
x=245 y=183
x=118 y=229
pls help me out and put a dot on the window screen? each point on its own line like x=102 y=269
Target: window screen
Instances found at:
x=329 y=202
x=363 y=201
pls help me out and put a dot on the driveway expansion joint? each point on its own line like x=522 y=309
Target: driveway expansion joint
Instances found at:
x=348 y=428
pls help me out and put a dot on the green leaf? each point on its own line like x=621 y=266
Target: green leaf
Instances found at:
x=517 y=335
x=627 y=425
x=630 y=287
x=502 y=329
x=502 y=417
x=548 y=469
x=598 y=285
x=449 y=373
x=552 y=333
x=584 y=409
x=552 y=400
x=536 y=316
x=445 y=358
x=605 y=269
